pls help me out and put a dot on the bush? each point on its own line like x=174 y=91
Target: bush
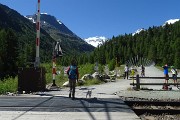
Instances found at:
x=86 y=69
x=112 y=65
x=60 y=79
x=11 y=84
x=8 y=85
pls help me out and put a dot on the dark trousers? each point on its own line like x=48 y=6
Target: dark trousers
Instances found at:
x=72 y=84
x=125 y=75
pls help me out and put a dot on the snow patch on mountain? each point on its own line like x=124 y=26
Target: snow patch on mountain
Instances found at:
x=45 y=13
x=59 y=21
x=34 y=21
x=95 y=41
x=31 y=19
x=138 y=31
x=171 y=21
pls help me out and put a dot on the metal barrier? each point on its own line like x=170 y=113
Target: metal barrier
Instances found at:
x=138 y=83
x=31 y=79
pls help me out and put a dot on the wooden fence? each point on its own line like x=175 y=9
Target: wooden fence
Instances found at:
x=138 y=82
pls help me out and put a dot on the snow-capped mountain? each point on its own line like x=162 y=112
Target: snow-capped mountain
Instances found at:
x=70 y=42
x=95 y=41
x=49 y=20
x=171 y=21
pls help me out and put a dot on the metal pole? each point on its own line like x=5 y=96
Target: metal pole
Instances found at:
x=37 y=60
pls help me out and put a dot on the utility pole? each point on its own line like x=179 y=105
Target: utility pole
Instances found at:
x=37 y=59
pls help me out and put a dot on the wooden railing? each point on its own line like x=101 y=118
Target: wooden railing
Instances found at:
x=138 y=82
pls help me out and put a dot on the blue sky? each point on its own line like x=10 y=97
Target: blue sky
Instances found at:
x=89 y=18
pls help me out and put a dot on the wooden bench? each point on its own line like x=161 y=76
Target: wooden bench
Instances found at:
x=138 y=83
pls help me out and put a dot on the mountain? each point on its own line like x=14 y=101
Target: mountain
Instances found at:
x=48 y=20
x=70 y=42
x=171 y=21
x=26 y=36
x=18 y=40
x=160 y=44
x=95 y=41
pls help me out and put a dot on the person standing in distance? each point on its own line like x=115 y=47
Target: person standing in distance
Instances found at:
x=73 y=75
x=166 y=75
x=174 y=74
x=142 y=71
x=126 y=72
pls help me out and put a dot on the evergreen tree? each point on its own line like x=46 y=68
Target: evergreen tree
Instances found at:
x=177 y=53
x=8 y=53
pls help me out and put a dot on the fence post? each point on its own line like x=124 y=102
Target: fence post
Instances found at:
x=137 y=82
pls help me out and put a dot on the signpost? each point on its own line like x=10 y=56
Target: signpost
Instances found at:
x=57 y=52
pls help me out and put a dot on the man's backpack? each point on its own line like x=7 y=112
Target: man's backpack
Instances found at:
x=72 y=72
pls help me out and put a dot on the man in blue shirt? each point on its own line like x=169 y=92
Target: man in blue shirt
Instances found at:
x=166 y=75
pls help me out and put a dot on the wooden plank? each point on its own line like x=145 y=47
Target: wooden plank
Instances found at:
x=154 y=84
x=154 y=77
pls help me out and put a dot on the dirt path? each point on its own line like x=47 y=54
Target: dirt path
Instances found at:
x=123 y=87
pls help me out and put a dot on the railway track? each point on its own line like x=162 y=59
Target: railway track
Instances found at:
x=156 y=109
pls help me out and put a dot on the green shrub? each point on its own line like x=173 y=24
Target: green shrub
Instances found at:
x=8 y=85
x=59 y=79
x=86 y=69
x=11 y=84
x=112 y=64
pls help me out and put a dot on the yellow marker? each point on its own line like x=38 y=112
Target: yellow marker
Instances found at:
x=132 y=73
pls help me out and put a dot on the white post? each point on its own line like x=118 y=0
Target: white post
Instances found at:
x=37 y=60
x=54 y=71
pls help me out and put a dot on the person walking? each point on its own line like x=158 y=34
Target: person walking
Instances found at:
x=174 y=74
x=73 y=75
x=126 y=72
